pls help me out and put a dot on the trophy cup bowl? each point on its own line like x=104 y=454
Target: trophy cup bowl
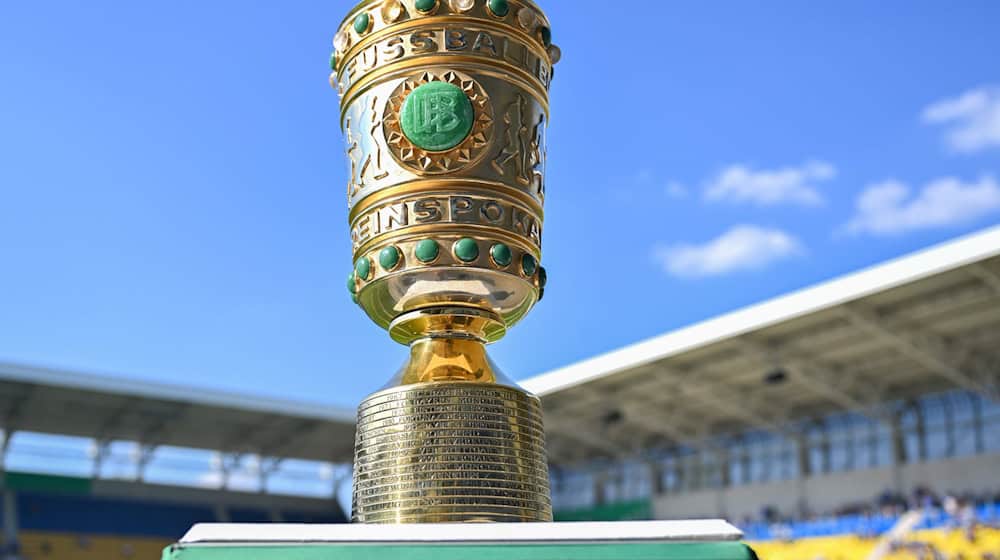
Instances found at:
x=444 y=106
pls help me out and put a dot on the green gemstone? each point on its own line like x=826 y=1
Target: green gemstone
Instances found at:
x=389 y=257
x=354 y=298
x=529 y=265
x=363 y=268
x=499 y=7
x=501 y=254
x=351 y=286
x=426 y=250
x=543 y=278
x=437 y=116
x=546 y=35
x=361 y=23
x=333 y=60
x=425 y=5
x=466 y=249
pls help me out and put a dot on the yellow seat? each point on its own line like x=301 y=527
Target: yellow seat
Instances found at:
x=66 y=546
x=852 y=547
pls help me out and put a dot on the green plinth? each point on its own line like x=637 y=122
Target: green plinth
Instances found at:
x=654 y=540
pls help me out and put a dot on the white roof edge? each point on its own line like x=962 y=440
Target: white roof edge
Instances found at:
x=561 y=532
x=908 y=268
x=145 y=389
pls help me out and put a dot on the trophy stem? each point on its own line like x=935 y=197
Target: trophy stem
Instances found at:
x=450 y=439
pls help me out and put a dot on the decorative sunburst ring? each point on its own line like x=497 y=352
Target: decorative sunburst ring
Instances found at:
x=437 y=115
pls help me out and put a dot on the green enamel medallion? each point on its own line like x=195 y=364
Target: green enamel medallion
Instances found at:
x=427 y=250
x=529 y=265
x=437 y=116
x=363 y=268
x=425 y=6
x=389 y=257
x=501 y=254
x=351 y=286
x=500 y=8
x=466 y=249
x=361 y=23
x=333 y=60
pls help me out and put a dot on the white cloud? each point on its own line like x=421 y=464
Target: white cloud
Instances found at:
x=741 y=247
x=972 y=119
x=766 y=187
x=888 y=208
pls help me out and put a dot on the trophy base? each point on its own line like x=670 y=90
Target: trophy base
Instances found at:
x=450 y=452
x=632 y=540
x=450 y=440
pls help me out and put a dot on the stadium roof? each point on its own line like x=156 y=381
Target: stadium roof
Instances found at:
x=926 y=322
x=71 y=403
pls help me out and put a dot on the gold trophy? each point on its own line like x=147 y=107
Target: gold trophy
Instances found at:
x=444 y=105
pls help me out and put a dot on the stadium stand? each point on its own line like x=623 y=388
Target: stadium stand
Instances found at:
x=800 y=409
x=884 y=379
x=786 y=417
x=930 y=544
x=50 y=515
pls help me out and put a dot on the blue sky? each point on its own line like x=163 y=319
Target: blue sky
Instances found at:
x=172 y=177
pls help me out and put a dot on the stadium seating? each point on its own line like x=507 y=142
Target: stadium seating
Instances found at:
x=62 y=518
x=853 y=537
x=105 y=516
x=65 y=546
x=950 y=543
x=861 y=525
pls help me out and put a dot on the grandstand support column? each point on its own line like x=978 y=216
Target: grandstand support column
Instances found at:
x=723 y=458
x=676 y=479
x=655 y=477
x=5 y=437
x=101 y=451
x=802 y=449
x=825 y=448
x=921 y=429
x=346 y=474
x=873 y=431
x=898 y=449
x=977 y=423
x=805 y=469
x=268 y=466
x=600 y=488
x=228 y=462
x=10 y=521
x=949 y=428
x=142 y=460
